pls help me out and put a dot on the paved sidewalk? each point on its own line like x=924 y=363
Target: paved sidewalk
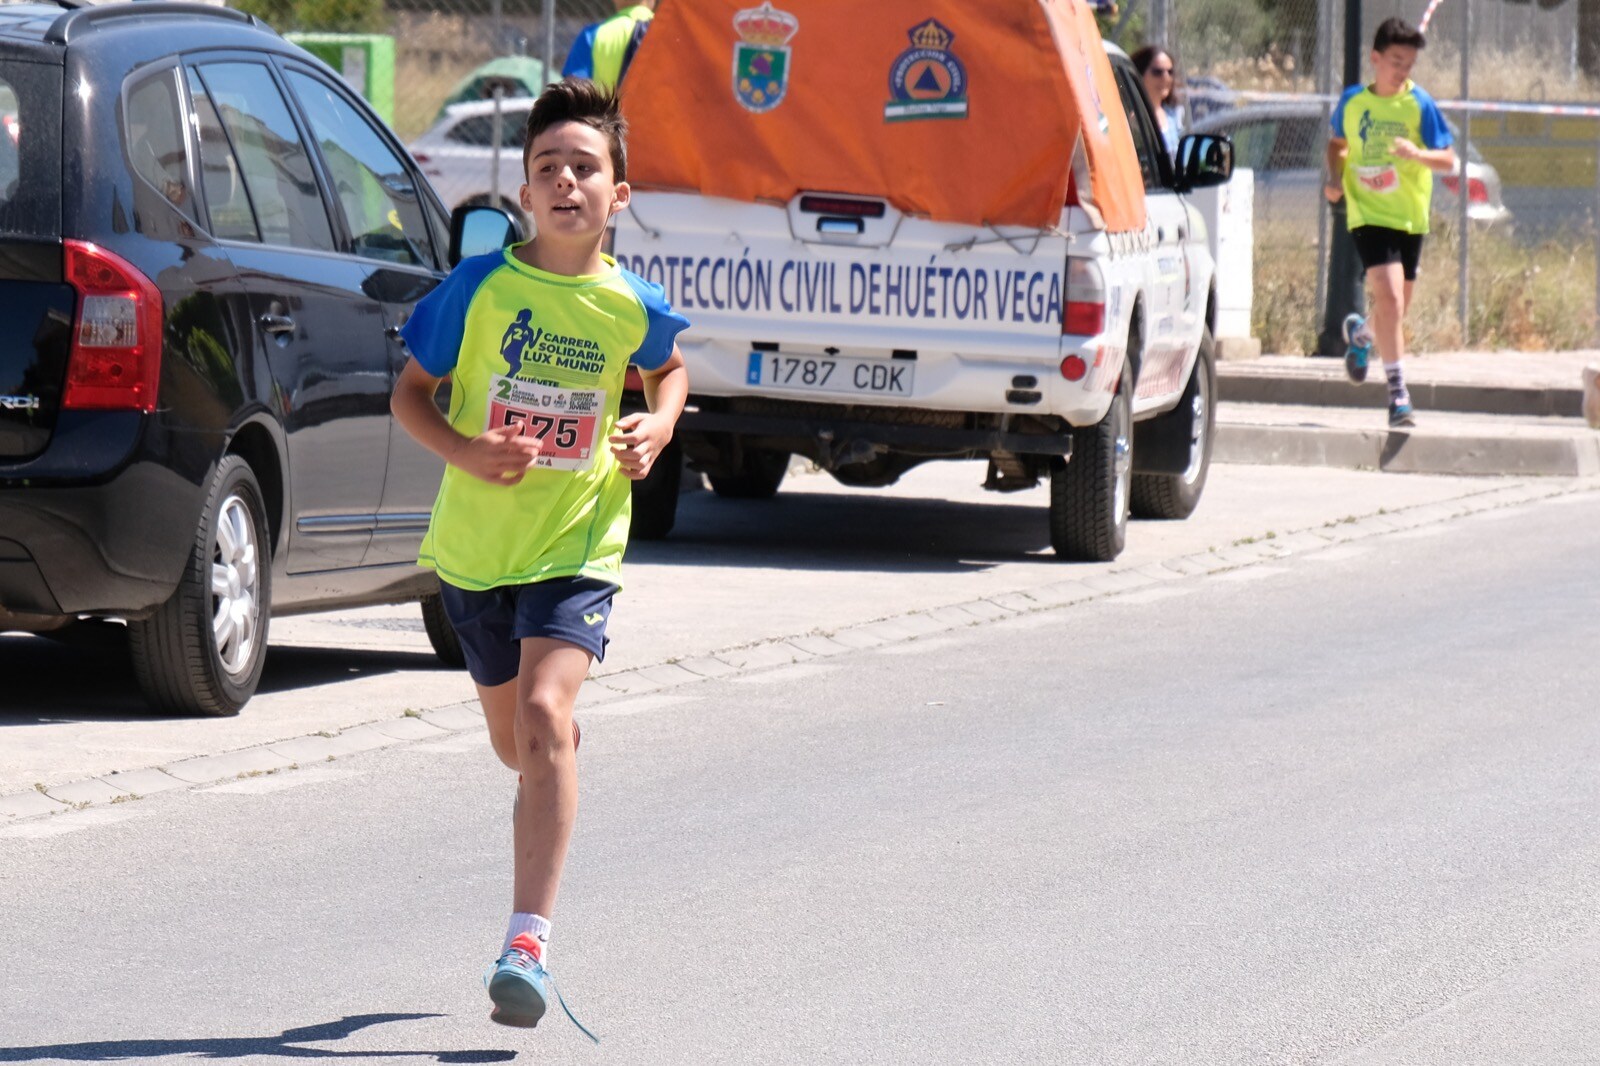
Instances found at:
x=1481 y=413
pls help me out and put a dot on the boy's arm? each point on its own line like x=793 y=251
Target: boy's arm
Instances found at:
x=1333 y=189
x=500 y=456
x=1440 y=160
x=639 y=439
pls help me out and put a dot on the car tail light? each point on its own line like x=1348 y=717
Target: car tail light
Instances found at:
x=115 y=362
x=1477 y=191
x=1072 y=190
x=1083 y=313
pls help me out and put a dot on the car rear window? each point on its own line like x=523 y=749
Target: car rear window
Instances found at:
x=30 y=149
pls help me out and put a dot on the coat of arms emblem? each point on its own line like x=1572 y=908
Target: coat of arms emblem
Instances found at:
x=762 y=55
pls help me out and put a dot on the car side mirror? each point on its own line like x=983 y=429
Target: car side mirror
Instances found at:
x=477 y=229
x=1204 y=159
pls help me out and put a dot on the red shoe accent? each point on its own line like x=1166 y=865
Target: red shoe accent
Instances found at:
x=529 y=943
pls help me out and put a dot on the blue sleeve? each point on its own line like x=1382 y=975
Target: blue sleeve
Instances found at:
x=580 y=60
x=1435 y=130
x=433 y=332
x=665 y=324
x=1337 y=120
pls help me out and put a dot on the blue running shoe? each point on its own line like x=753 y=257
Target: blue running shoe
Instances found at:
x=1400 y=414
x=520 y=987
x=1358 y=347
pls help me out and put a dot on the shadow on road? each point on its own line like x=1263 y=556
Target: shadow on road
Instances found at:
x=223 y=1047
x=832 y=531
x=90 y=679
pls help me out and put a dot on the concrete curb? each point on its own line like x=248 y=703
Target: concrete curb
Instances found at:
x=1247 y=385
x=1401 y=451
x=286 y=756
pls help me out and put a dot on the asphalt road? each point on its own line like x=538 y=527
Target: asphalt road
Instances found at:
x=1340 y=808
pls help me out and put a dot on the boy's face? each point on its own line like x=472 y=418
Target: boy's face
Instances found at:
x=1392 y=67
x=571 y=191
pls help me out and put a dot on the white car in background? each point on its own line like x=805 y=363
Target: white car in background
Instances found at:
x=458 y=154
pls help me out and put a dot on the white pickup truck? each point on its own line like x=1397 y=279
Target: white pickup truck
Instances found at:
x=837 y=328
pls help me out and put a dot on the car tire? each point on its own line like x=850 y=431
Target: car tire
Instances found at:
x=441 y=633
x=655 y=497
x=202 y=651
x=757 y=477
x=1089 y=492
x=1174 y=496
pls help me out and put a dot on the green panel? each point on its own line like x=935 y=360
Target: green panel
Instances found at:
x=365 y=59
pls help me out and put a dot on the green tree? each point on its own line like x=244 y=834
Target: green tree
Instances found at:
x=332 y=16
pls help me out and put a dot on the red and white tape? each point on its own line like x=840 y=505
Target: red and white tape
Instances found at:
x=1427 y=15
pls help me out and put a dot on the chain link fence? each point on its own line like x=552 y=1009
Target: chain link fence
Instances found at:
x=1519 y=82
x=1523 y=95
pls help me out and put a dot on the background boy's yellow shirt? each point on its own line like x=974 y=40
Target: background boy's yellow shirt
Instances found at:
x=1381 y=189
x=550 y=352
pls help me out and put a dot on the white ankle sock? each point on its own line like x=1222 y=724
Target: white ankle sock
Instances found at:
x=1396 y=375
x=535 y=925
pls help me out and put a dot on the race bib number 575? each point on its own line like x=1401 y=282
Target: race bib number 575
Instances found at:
x=565 y=421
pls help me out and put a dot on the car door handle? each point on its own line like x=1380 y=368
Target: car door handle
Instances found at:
x=392 y=332
x=276 y=323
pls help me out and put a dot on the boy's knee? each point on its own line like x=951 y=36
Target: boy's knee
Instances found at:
x=543 y=723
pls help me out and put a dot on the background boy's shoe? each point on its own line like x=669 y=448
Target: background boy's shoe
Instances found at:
x=519 y=985
x=1400 y=414
x=1358 y=347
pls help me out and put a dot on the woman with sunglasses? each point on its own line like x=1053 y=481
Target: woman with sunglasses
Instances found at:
x=1159 y=70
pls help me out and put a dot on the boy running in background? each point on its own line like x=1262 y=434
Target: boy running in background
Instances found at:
x=529 y=528
x=1388 y=141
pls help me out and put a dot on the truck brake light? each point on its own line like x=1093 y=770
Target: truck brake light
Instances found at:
x=1477 y=191
x=115 y=361
x=1083 y=311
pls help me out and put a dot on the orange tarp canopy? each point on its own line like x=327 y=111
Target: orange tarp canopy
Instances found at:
x=950 y=109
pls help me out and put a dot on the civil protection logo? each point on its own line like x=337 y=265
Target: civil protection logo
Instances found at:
x=761 y=57
x=927 y=80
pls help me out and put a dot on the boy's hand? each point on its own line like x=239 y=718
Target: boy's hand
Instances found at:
x=1333 y=190
x=1405 y=149
x=638 y=441
x=500 y=456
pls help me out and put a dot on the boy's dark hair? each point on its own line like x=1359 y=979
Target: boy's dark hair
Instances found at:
x=1397 y=31
x=580 y=100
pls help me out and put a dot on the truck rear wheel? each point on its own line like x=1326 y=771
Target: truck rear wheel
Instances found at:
x=1171 y=496
x=1089 y=492
x=655 y=499
x=757 y=477
x=202 y=651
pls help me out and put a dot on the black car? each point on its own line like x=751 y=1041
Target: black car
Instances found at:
x=207 y=245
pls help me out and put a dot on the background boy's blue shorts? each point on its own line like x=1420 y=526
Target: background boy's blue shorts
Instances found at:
x=491 y=624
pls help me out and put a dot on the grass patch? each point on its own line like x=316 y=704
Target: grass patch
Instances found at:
x=1524 y=296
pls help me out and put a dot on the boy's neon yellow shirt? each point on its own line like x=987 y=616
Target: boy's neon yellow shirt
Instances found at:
x=549 y=352
x=1381 y=189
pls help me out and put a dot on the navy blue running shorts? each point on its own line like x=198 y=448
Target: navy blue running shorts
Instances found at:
x=1380 y=245
x=491 y=624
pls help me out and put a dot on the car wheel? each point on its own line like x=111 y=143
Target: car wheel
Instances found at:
x=441 y=633
x=757 y=477
x=655 y=498
x=202 y=651
x=1089 y=492
x=1172 y=496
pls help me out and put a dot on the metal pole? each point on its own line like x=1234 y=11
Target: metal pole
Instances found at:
x=1160 y=23
x=494 y=157
x=1344 y=267
x=1324 y=87
x=551 y=67
x=1463 y=192
x=1596 y=228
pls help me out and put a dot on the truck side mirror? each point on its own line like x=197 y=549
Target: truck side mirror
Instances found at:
x=477 y=229
x=1204 y=159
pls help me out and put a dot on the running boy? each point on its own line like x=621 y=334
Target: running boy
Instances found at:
x=529 y=528
x=1388 y=140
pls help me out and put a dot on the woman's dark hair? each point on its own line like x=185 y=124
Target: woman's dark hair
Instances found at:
x=580 y=100
x=1147 y=55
